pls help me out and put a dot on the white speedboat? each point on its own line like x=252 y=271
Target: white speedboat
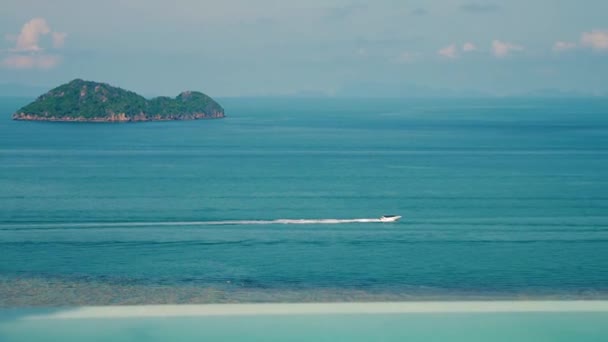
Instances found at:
x=390 y=218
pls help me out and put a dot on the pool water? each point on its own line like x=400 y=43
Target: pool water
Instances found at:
x=131 y=324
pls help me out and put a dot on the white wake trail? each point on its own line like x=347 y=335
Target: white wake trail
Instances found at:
x=192 y=223
x=324 y=221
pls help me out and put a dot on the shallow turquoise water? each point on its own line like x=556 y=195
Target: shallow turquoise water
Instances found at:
x=535 y=327
x=499 y=198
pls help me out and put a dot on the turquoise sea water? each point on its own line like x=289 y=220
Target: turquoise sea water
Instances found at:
x=500 y=198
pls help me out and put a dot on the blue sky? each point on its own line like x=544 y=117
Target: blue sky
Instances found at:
x=331 y=47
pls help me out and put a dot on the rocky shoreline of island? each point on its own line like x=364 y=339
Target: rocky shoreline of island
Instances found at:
x=121 y=117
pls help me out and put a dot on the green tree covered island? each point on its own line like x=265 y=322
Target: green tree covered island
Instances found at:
x=85 y=101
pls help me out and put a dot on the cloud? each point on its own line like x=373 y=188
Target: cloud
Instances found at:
x=28 y=52
x=449 y=51
x=479 y=8
x=28 y=38
x=596 y=39
x=563 y=46
x=17 y=61
x=469 y=47
x=503 y=49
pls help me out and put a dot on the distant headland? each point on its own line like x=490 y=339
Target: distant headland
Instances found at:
x=86 y=101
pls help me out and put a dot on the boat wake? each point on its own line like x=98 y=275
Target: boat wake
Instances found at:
x=188 y=223
x=324 y=221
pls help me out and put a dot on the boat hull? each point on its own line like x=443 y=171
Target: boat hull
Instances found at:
x=390 y=218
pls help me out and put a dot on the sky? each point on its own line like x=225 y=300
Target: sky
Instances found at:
x=375 y=48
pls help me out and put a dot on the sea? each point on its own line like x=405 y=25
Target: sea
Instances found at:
x=502 y=198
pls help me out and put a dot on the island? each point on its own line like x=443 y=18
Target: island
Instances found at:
x=86 y=101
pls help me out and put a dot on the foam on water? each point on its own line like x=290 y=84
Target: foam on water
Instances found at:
x=189 y=223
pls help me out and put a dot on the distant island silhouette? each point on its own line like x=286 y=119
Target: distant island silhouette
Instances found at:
x=87 y=101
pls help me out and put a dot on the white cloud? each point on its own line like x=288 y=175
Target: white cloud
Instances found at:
x=503 y=49
x=563 y=46
x=28 y=38
x=449 y=51
x=596 y=39
x=28 y=52
x=469 y=47
x=452 y=51
x=17 y=61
